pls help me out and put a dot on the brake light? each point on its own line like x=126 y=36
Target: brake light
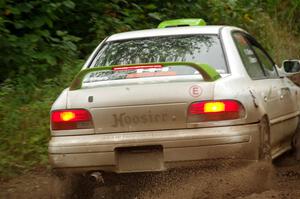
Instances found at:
x=215 y=110
x=212 y=107
x=67 y=116
x=137 y=67
x=71 y=119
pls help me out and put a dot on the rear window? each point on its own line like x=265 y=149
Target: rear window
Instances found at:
x=139 y=73
x=203 y=49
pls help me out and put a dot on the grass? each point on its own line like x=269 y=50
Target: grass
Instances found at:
x=24 y=124
x=279 y=40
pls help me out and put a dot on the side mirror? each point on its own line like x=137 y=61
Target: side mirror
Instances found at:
x=291 y=67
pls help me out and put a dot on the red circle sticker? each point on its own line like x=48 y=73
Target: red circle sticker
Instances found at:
x=195 y=91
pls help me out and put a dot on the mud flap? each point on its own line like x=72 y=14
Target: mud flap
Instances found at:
x=265 y=148
x=297 y=143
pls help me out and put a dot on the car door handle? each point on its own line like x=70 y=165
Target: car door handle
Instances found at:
x=284 y=91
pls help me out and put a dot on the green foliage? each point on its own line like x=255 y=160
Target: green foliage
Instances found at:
x=42 y=41
x=24 y=113
x=30 y=44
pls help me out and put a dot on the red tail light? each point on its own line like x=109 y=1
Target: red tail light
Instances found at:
x=71 y=119
x=215 y=110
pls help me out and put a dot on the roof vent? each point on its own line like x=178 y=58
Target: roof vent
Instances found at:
x=181 y=22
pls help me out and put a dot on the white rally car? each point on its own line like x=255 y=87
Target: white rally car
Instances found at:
x=156 y=99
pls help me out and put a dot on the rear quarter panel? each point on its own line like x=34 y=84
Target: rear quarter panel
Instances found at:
x=61 y=101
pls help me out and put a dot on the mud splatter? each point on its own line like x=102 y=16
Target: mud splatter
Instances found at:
x=224 y=180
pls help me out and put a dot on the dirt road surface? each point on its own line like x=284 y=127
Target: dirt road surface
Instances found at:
x=223 y=180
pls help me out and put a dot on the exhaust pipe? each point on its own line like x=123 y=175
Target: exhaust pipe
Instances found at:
x=97 y=177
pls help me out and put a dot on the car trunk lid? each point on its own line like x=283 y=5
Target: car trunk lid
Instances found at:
x=141 y=103
x=140 y=107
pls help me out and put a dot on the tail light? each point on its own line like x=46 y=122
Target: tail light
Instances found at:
x=71 y=119
x=137 y=67
x=215 y=110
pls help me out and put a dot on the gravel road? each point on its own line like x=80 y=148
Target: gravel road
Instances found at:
x=224 y=180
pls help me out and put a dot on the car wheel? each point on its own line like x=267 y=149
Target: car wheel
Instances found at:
x=296 y=142
x=265 y=147
x=72 y=186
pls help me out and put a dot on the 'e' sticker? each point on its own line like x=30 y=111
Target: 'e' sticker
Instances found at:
x=195 y=91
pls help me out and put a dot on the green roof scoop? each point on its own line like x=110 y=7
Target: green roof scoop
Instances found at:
x=182 y=22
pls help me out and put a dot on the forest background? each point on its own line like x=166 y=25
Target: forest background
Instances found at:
x=43 y=44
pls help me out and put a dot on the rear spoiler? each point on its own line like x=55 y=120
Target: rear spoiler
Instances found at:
x=208 y=73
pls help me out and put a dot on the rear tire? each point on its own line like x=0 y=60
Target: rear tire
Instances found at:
x=264 y=169
x=296 y=142
x=265 y=147
x=72 y=186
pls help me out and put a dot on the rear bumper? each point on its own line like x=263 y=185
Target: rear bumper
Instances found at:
x=98 y=151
